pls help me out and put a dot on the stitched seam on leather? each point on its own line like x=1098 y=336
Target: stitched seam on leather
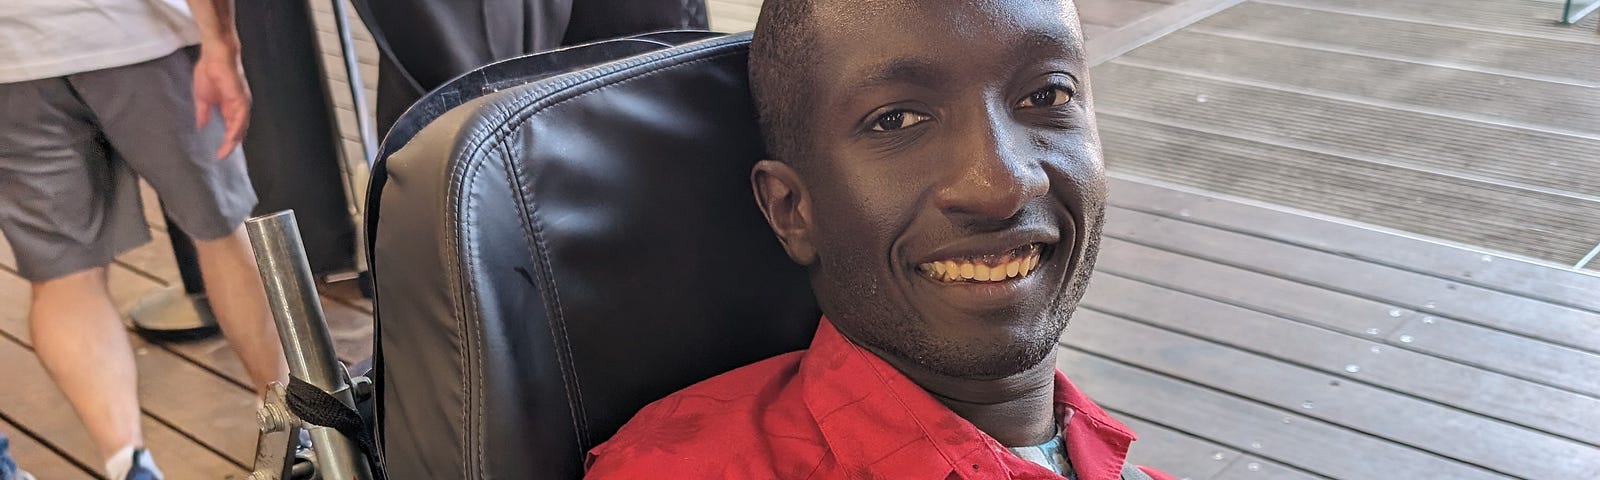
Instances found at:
x=559 y=320
x=468 y=400
x=464 y=295
x=547 y=97
x=532 y=235
x=541 y=277
x=514 y=183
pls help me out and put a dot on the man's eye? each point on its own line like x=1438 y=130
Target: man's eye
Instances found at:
x=1050 y=96
x=896 y=120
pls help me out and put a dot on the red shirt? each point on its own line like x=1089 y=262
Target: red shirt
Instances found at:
x=838 y=411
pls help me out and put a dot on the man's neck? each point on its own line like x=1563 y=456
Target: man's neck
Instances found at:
x=1017 y=410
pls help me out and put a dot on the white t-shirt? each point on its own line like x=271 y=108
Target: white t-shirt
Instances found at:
x=53 y=38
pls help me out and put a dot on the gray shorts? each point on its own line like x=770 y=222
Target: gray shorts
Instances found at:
x=72 y=149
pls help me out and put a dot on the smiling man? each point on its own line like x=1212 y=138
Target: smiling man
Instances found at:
x=937 y=171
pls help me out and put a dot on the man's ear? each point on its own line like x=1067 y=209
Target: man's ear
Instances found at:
x=787 y=206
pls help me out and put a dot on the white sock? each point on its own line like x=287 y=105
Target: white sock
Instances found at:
x=118 y=465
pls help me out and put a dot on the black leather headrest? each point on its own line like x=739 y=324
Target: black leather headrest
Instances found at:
x=551 y=257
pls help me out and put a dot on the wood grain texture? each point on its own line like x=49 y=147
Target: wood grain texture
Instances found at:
x=1303 y=442
x=1364 y=242
x=1383 y=362
x=37 y=459
x=1441 y=298
x=1343 y=399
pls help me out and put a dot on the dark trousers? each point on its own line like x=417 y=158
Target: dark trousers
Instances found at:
x=428 y=42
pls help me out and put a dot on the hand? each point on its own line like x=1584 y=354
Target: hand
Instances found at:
x=219 y=82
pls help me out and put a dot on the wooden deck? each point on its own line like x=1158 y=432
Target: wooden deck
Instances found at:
x=1472 y=121
x=1240 y=338
x=1243 y=341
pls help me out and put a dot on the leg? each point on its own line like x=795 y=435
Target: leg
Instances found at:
x=79 y=337
x=147 y=113
x=240 y=302
x=68 y=208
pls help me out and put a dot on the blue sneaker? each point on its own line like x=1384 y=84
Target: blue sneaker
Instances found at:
x=8 y=468
x=143 y=467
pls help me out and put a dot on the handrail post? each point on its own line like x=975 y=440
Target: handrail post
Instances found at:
x=303 y=330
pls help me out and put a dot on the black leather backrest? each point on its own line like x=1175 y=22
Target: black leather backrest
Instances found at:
x=520 y=71
x=549 y=258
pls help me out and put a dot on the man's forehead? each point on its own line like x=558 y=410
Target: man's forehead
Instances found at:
x=869 y=42
x=974 y=20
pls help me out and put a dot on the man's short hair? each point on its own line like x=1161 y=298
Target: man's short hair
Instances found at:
x=781 y=54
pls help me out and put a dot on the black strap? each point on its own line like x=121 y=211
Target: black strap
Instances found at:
x=320 y=408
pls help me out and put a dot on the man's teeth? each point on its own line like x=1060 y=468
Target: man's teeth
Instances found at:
x=1016 y=264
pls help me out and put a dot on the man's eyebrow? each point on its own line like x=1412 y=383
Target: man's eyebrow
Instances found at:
x=899 y=70
x=1042 y=42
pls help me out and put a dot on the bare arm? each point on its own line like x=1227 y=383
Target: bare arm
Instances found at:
x=218 y=75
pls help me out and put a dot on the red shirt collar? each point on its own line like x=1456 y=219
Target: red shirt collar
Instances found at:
x=878 y=423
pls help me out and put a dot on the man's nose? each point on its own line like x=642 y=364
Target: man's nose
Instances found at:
x=996 y=174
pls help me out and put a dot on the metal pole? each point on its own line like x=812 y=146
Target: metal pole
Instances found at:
x=355 y=173
x=292 y=296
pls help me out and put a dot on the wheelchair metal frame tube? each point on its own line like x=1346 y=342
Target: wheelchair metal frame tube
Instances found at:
x=356 y=174
x=292 y=297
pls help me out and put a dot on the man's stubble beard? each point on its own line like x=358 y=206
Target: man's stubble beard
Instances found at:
x=905 y=337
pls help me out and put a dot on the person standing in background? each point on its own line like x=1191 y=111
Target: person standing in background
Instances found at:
x=95 y=94
x=425 y=43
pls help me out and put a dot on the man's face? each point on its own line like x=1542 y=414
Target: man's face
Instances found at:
x=954 y=178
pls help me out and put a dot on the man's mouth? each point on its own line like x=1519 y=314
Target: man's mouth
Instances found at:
x=1007 y=266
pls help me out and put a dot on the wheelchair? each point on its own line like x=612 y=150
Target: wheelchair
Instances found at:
x=555 y=241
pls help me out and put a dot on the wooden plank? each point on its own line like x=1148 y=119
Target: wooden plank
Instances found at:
x=1516 y=356
x=1524 y=158
x=170 y=387
x=1536 y=18
x=44 y=409
x=348 y=324
x=1259 y=292
x=1115 y=13
x=1309 y=444
x=734 y=10
x=39 y=460
x=1538 y=224
x=1340 y=399
x=346 y=292
x=152 y=206
x=1165 y=20
x=1381 y=363
x=169 y=384
x=1344 y=238
x=1557 y=60
x=350 y=328
x=1255 y=468
x=1177 y=453
x=1502 y=311
x=1565 y=367
x=154 y=259
x=203 y=405
x=1091 y=32
x=1551 y=106
x=719 y=24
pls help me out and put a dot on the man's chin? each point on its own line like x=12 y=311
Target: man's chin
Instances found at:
x=980 y=361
